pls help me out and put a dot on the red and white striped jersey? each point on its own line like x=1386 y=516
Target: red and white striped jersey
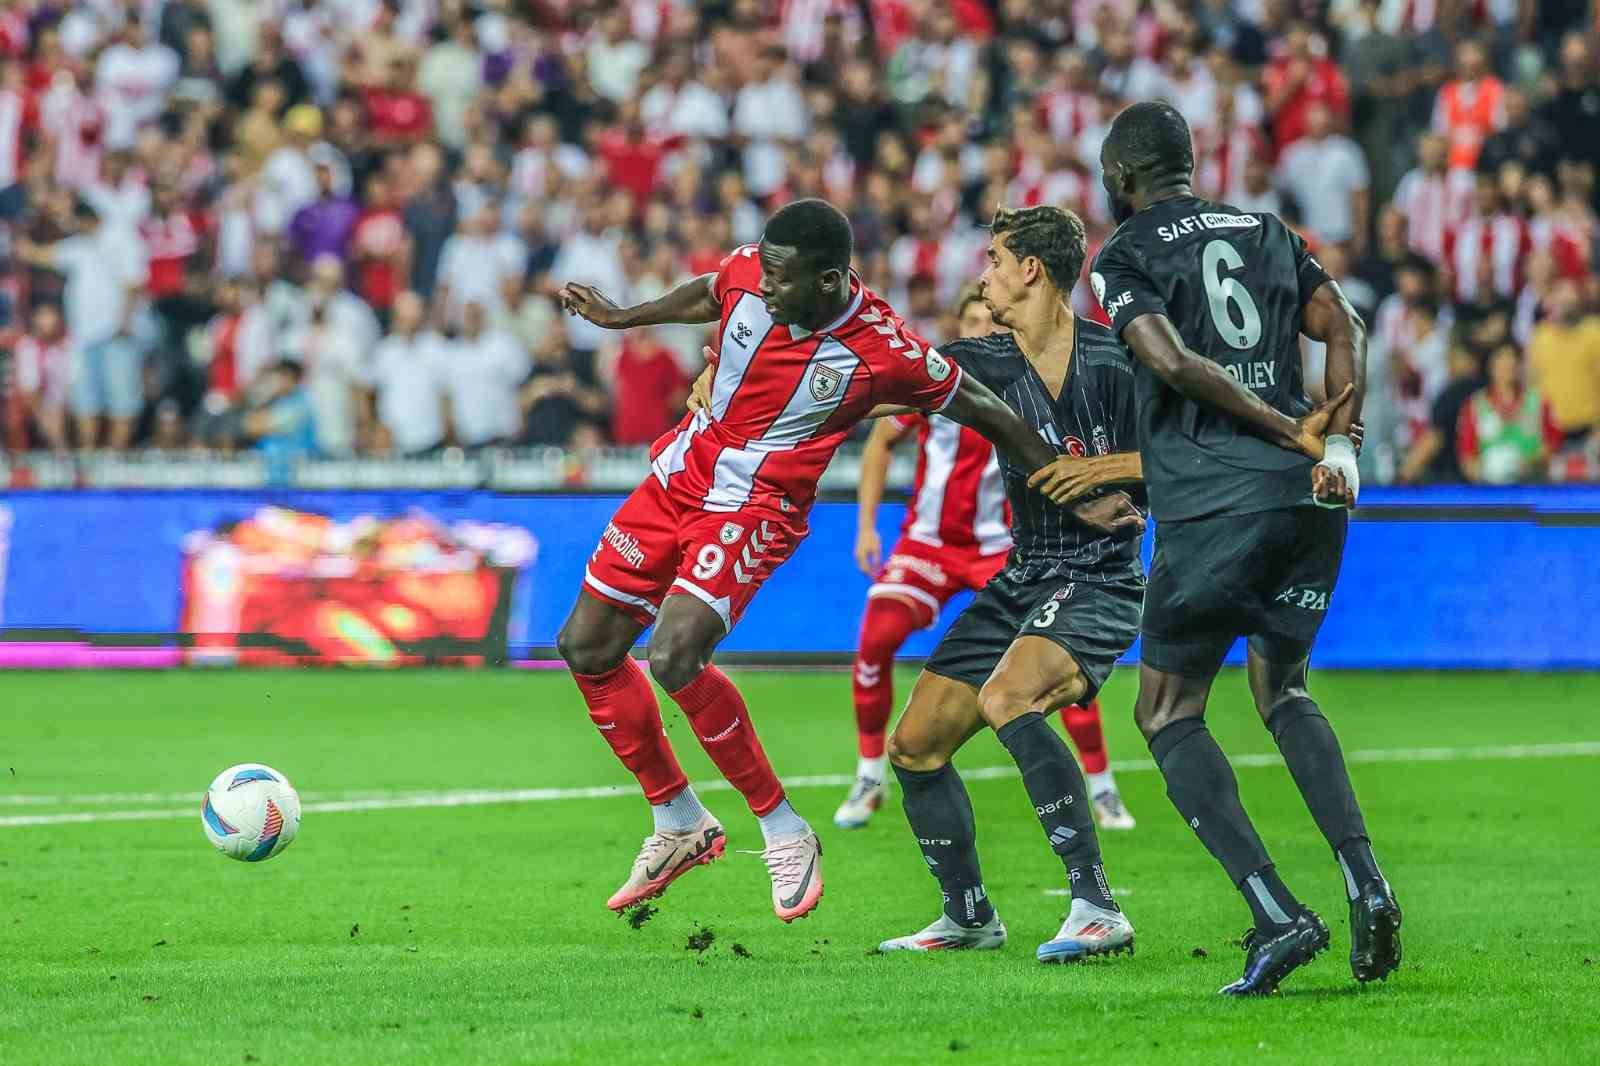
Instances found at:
x=784 y=398
x=1488 y=250
x=1221 y=156
x=1433 y=204
x=959 y=497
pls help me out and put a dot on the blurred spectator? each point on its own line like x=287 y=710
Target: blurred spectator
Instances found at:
x=1524 y=138
x=105 y=271
x=281 y=424
x=1433 y=199
x=323 y=226
x=1564 y=362
x=1470 y=107
x=396 y=112
x=44 y=376
x=451 y=76
x=483 y=366
x=430 y=214
x=769 y=113
x=1434 y=457
x=479 y=265
x=1506 y=432
x=1325 y=173
x=648 y=387
x=410 y=381
x=379 y=248
x=132 y=77
x=1301 y=77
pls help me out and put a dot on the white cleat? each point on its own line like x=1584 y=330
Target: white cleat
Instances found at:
x=946 y=935
x=1088 y=930
x=665 y=857
x=795 y=864
x=866 y=796
x=1109 y=813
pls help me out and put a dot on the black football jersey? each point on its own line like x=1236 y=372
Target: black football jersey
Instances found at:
x=1233 y=284
x=1094 y=415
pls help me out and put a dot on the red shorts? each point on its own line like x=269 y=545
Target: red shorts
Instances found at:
x=929 y=576
x=655 y=547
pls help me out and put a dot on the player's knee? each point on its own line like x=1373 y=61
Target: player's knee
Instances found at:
x=586 y=649
x=675 y=660
x=913 y=749
x=1000 y=702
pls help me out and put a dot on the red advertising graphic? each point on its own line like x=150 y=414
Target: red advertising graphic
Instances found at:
x=290 y=588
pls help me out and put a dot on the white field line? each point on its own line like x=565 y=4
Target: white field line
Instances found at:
x=386 y=801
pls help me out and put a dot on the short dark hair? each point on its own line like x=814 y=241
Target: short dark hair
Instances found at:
x=84 y=211
x=1053 y=235
x=1151 y=139
x=817 y=229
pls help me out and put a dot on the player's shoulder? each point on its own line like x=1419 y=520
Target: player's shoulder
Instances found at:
x=1100 y=349
x=994 y=359
x=740 y=269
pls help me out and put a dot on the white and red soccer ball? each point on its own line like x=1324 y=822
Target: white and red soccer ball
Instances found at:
x=250 y=812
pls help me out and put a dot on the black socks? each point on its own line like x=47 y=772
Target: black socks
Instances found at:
x=1061 y=800
x=1312 y=753
x=940 y=814
x=1201 y=785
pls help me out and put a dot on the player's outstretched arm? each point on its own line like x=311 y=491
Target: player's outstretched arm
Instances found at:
x=692 y=302
x=974 y=406
x=1156 y=344
x=1069 y=477
x=875 y=457
x=1329 y=317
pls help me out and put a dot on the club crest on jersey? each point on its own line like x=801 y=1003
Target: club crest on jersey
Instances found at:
x=825 y=382
x=1063 y=592
x=1102 y=441
x=731 y=532
x=938 y=366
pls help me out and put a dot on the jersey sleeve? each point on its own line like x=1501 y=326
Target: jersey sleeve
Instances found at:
x=1306 y=267
x=1123 y=286
x=739 y=271
x=912 y=374
x=973 y=357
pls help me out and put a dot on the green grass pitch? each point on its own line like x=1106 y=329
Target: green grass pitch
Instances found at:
x=477 y=933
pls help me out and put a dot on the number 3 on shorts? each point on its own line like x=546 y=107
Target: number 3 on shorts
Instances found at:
x=1047 y=616
x=708 y=563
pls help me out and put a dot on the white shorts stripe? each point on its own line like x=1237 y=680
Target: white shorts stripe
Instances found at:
x=723 y=606
x=891 y=588
x=616 y=594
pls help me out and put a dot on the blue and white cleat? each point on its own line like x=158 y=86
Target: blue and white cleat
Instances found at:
x=865 y=797
x=1088 y=931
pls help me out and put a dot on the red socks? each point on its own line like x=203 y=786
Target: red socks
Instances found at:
x=623 y=706
x=1083 y=725
x=720 y=719
x=885 y=626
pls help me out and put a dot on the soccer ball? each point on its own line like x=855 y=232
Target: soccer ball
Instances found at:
x=250 y=812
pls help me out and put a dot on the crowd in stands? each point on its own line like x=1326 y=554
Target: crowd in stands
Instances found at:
x=338 y=226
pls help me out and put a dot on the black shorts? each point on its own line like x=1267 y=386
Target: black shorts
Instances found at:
x=1267 y=576
x=1095 y=621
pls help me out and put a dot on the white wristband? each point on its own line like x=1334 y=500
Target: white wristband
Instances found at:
x=1339 y=455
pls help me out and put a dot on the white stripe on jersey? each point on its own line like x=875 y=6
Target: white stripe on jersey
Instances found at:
x=944 y=438
x=989 y=525
x=742 y=336
x=820 y=391
x=734 y=475
x=671 y=459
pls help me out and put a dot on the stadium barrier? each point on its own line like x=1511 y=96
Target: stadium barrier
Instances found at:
x=1441 y=578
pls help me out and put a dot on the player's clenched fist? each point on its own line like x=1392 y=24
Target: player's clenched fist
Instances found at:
x=1113 y=513
x=700 y=391
x=590 y=303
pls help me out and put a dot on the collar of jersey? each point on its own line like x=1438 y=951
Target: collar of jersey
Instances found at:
x=858 y=291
